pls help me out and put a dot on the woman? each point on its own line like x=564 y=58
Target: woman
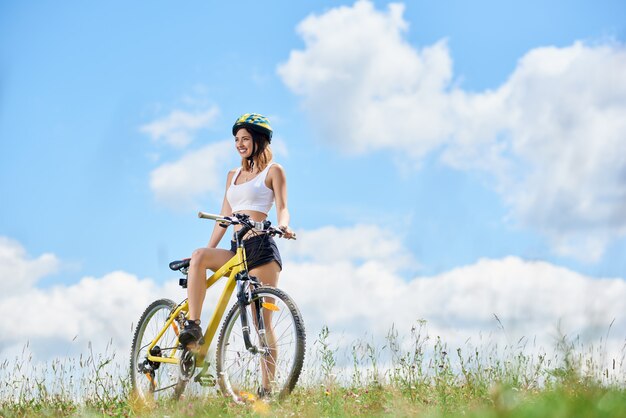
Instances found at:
x=250 y=189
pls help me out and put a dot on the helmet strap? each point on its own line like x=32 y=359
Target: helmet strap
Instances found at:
x=251 y=157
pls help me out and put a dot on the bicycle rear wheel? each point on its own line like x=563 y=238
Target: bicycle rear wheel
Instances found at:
x=152 y=381
x=273 y=373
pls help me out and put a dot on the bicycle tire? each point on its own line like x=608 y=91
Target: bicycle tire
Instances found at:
x=165 y=382
x=239 y=372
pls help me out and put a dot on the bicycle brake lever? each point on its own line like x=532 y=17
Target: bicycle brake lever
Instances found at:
x=276 y=231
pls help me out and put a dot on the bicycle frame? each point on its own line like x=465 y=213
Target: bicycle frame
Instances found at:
x=235 y=265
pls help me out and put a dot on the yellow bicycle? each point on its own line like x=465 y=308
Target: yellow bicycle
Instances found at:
x=261 y=342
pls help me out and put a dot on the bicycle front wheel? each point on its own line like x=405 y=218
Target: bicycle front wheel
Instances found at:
x=150 y=380
x=271 y=369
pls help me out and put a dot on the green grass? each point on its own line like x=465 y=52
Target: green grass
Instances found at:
x=501 y=401
x=410 y=376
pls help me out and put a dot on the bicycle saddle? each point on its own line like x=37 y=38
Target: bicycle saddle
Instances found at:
x=179 y=264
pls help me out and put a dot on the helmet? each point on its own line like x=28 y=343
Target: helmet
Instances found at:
x=254 y=121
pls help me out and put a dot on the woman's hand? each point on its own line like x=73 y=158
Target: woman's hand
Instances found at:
x=287 y=232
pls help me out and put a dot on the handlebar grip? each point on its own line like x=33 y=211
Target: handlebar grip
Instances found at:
x=206 y=215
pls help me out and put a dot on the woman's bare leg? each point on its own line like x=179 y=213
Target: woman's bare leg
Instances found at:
x=201 y=260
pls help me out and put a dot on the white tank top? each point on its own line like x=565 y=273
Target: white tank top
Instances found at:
x=251 y=195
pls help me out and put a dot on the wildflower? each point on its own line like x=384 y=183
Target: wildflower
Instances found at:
x=261 y=408
x=247 y=397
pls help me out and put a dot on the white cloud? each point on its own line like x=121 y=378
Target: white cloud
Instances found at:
x=17 y=272
x=196 y=174
x=178 y=128
x=365 y=86
x=93 y=310
x=62 y=320
x=549 y=135
x=561 y=117
x=199 y=174
x=354 y=296
x=359 y=243
x=531 y=298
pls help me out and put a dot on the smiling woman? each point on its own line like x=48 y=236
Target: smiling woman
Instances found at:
x=251 y=190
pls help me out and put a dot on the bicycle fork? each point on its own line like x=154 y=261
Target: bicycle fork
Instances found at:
x=244 y=298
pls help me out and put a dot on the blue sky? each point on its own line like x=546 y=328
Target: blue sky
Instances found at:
x=420 y=125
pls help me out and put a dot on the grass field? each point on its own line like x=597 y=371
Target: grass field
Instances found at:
x=411 y=376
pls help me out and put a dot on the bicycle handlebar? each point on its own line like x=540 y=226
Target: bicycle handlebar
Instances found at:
x=242 y=219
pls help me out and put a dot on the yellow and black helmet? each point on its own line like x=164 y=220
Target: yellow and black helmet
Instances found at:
x=254 y=121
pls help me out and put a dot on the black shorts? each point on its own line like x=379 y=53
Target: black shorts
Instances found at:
x=260 y=249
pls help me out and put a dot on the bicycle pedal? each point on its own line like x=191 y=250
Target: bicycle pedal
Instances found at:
x=205 y=379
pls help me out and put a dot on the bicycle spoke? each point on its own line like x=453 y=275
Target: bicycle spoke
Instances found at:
x=165 y=381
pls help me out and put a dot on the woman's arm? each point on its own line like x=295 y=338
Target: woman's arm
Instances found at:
x=278 y=181
x=218 y=231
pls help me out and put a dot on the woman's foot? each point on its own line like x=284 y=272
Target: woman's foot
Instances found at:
x=191 y=334
x=264 y=392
